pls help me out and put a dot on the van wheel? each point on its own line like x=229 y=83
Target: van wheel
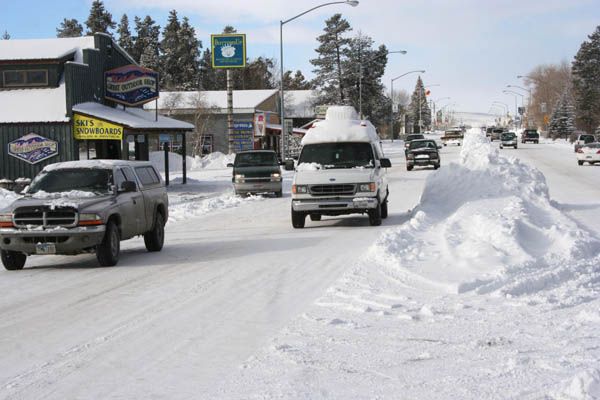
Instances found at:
x=315 y=217
x=155 y=238
x=375 y=216
x=108 y=251
x=384 y=209
x=298 y=219
x=279 y=193
x=13 y=260
x=580 y=162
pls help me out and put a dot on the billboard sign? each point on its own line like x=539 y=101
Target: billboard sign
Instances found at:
x=88 y=128
x=131 y=85
x=228 y=50
x=243 y=136
x=33 y=148
x=260 y=124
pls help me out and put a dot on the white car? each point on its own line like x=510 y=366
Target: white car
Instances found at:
x=589 y=153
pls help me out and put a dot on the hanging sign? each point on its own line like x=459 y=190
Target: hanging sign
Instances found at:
x=260 y=124
x=228 y=50
x=33 y=148
x=131 y=85
x=88 y=128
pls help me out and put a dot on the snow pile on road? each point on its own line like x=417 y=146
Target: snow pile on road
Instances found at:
x=341 y=124
x=191 y=206
x=216 y=160
x=7 y=197
x=487 y=224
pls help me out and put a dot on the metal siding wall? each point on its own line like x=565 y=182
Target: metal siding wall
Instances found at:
x=13 y=168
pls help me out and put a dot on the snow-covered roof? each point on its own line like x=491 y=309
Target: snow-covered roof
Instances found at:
x=130 y=117
x=244 y=101
x=341 y=124
x=299 y=103
x=44 y=49
x=33 y=105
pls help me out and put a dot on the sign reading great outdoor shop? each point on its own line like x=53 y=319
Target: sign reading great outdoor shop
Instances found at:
x=88 y=128
x=33 y=148
x=131 y=85
x=228 y=50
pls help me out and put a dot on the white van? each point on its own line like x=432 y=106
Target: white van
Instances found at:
x=341 y=170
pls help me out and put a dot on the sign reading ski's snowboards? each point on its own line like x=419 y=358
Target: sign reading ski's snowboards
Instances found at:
x=228 y=50
x=131 y=85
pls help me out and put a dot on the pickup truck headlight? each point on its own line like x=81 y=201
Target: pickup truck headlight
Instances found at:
x=367 y=187
x=239 y=178
x=90 y=219
x=299 y=189
x=275 y=177
x=6 y=221
x=410 y=156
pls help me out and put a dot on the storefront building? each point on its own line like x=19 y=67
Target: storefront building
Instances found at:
x=69 y=99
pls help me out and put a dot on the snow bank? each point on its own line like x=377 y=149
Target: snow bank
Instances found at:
x=487 y=224
x=216 y=160
x=157 y=158
x=7 y=197
x=341 y=124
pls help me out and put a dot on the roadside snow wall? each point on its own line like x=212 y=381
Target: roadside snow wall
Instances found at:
x=487 y=224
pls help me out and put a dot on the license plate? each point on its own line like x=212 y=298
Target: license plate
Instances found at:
x=588 y=157
x=422 y=156
x=45 y=248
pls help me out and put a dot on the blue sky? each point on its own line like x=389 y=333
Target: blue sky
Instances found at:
x=472 y=48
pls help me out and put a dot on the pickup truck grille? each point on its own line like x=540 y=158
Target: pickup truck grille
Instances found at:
x=333 y=190
x=45 y=217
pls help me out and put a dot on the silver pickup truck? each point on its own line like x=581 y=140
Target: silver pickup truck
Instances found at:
x=85 y=206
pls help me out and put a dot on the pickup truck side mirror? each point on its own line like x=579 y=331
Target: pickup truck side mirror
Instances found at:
x=128 y=186
x=385 y=163
x=289 y=165
x=439 y=147
x=229 y=165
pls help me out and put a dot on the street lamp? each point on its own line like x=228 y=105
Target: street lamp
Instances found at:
x=421 y=71
x=361 y=74
x=352 y=3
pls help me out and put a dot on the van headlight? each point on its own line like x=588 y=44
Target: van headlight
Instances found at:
x=275 y=177
x=299 y=189
x=367 y=187
x=239 y=178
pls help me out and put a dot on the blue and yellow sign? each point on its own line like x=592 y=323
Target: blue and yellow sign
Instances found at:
x=33 y=148
x=131 y=85
x=228 y=50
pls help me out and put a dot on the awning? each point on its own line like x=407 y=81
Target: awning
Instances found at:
x=134 y=118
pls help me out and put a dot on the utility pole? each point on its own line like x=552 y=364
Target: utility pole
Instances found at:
x=230 y=110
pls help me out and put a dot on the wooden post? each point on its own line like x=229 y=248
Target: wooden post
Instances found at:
x=230 y=110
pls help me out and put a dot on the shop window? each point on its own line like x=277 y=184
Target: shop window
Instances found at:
x=25 y=78
x=207 y=144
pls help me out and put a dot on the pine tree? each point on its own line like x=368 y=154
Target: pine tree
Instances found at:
x=171 y=68
x=562 y=121
x=188 y=51
x=208 y=76
x=418 y=108
x=69 y=28
x=331 y=52
x=5 y=36
x=296 y=82
x=125 y=38
x=586 y=75
x=360 y=52
x=99 y=19
x=146 y=41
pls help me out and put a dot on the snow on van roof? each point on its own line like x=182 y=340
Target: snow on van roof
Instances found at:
x=341 y=124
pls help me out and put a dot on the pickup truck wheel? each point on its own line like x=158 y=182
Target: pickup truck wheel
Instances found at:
x=409 y=167
x=375 y=216
x=315 y=217
x=298 y=219
x=13 y=260
x=384 y=209
x=155 y=238
x=108 y=251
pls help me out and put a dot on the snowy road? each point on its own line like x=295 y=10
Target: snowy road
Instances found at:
x=174 y=324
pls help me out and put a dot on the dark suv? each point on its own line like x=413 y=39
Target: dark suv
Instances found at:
x=422 y=153
x=530 y=135
x=256 y=171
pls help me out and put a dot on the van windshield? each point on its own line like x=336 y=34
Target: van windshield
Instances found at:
x=338 y=155
x=256 y=159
